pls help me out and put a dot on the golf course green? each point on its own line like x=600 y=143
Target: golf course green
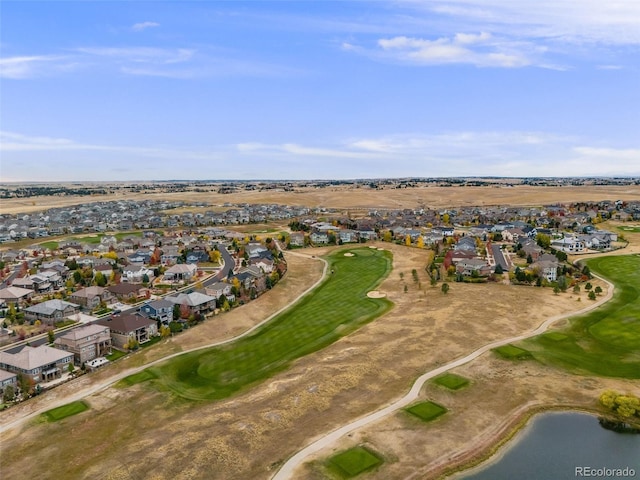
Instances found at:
x=334 y=309
x=605 y=341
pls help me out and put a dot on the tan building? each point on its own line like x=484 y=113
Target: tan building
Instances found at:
x=91 y=297
x=41 y=364
x=125 y=327
x=86 y=343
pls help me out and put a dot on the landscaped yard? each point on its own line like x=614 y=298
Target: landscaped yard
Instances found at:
x=65 y=411
x=336 y=308
x=115 y=355
x=605 y=341
x=632 y=229
x=451 y=381
x=353 y=462
x=427 y=411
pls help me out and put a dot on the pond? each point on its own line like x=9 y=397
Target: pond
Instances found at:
x=563 y=445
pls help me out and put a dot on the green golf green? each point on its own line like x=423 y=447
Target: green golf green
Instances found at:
x=65 y=411
x=334 y=309
x=427 y=411
x=512 y=352
x=605 y=341
x=451 y=381
x=354 y=461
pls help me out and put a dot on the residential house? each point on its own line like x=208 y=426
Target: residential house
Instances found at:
x=91 y=297
x=218 y=289
x=296 y=239
x=51 y=311
x=158 y=310
x=105 y=269
x=180 y=272
x=128 y=291
x=546 y=267
x=125 y=327
x=197 y=256
x=196 y=302
x=347 y=236
x=170 y=255
x=264 y=264
x=468 y=266
x=466 y=244
x=40 y=364
x=86 y=343
x=8 y=379
x=15 y=294
x=568 y=244
x=137 y=273
x=319 y=238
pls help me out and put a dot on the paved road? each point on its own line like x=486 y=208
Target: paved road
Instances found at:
x=79 y=395
x=287 y=470
x=498 y=257
x=43 y=339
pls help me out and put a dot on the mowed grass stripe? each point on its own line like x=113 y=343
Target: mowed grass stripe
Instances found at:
x=336 y=308
x=605 y=341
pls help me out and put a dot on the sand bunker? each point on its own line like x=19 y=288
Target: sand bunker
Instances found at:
x=348 y=254
x=381 y=249
x=372 y=246
x=376 y=294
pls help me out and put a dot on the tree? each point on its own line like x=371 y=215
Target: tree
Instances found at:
x=556 y=290
x=175 y=327
x=543 y=240
x=185 y=311
x=586 y=271
x=100 y=279
x=420 y=242
x=529 y=259
x=446 y=219
x=70 y=367
x=445 y=288
x=165 y=331
x=588 y=286
x=562 y=283
x=176 y=311
x=592 y=296
x=387 y=236
x=498 y=270
x=598 y=290
x=576 y=289
x=9 y=394
x=51 y=336
x=407 y=240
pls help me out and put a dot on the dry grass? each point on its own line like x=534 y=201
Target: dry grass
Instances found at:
x=147 y=434
x=350 y=197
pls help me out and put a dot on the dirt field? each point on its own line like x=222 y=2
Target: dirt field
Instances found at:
x=140 y=433
x=351 y=197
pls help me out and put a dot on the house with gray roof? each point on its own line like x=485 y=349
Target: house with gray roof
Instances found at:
x=196 y=302
x=125 y=327
x=51 y=311
x=86 y=343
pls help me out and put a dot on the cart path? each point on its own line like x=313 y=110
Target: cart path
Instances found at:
x=93 y=389
x=288 y=468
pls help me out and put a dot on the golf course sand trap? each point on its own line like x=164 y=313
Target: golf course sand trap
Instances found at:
x=381 y=249
x=348 y=254
x=372 y=246
x=376 y=294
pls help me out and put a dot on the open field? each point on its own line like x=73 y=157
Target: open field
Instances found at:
x=247 y=435
x=351 y=197
x=65 y=411
x=605 y=341
x=336 y=308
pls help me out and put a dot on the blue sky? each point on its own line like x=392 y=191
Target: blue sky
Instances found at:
x=309 y=89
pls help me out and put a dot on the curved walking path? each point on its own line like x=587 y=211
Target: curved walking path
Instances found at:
x=80 y=394
x=289 y=467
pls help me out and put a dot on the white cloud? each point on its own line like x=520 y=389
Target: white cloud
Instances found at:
x=478 y=49
x=34 y=66
x=138 y=27
x=138 y=55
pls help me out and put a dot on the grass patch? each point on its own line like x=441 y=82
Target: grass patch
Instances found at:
x=115 y=355
x=354 y=461
x=102 y=311
x=151 y=342
x=90 y=239
x=51 y=245
x=451 y=381
x=512 y=352
x=334 y=309
x=554 y=336
x=136 y=378
x=633 y=229
x=605 y=341
x=65 y=411
x=426 y=411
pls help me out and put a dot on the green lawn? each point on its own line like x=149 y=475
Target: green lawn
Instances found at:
x=426 y=411
x=115 y=355
x=65 y=411
x=632 y=229
x=353 y=462
x=605 y=341
x=451 y=381
x=51 y=245
x=512 y=352
x=334 y=309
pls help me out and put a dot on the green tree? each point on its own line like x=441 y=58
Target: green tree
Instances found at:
x=588 y=286
x=9 y=394
x=445 y=288
x=499 y=270
x=598 y=290
x=576 y=289
x=529 y=259
x=556 y=290
x=70 y=367
x=176 y=311
x=51 y=336
x=100 y=279
x=543 y=240
x=592 y=296
x=562 y=283
x=165 y=331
